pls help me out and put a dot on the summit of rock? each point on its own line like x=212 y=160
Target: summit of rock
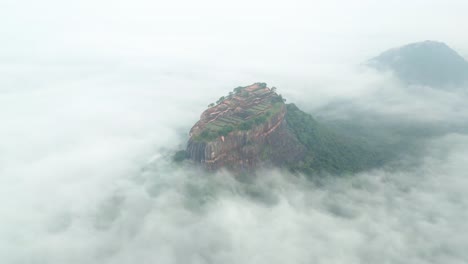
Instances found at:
x=242 y=109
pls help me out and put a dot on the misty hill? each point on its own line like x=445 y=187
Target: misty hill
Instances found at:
x=424 y=63
x=253 y=126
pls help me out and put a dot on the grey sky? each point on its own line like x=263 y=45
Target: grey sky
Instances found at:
x=266 y=31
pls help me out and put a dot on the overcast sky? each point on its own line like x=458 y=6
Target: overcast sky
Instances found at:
x=263 y=31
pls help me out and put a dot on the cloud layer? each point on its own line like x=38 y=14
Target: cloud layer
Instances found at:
x=177 y=215
x=94 y=98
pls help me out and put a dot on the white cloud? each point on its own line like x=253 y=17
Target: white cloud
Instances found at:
x=90 y=91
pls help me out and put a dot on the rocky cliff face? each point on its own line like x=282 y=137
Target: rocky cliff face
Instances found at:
x=243 y=131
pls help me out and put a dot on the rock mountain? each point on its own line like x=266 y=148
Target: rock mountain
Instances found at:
x=252 y=126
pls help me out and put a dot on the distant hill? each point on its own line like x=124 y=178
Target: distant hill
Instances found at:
x=429 y=63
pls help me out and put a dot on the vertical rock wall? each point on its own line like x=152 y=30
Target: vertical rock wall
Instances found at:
x=270 y=142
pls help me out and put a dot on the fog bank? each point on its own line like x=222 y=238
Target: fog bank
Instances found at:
x=95 y=98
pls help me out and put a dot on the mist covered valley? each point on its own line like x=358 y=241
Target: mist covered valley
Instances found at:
x=93 y=111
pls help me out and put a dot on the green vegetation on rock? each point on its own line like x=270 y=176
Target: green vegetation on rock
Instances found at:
x=327 y=150
x=252 y=114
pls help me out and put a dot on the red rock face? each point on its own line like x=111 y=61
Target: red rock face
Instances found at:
x=269 y=142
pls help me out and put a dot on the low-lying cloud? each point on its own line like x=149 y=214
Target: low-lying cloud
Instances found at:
x=86 y=177
x=95 y=99
x=170 y=214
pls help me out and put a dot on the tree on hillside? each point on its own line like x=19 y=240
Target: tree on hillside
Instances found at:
x=220 y=99
x=238 y=89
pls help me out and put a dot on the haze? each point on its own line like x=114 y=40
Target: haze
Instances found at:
x=95 y=96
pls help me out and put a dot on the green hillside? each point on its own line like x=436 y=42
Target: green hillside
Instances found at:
x=328 y=150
